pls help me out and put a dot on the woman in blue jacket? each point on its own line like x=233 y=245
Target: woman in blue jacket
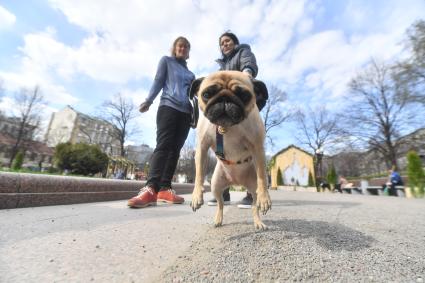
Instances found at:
x=173 y=124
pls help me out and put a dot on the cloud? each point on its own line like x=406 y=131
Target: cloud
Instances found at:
x=7 y=19
x=323 y=63
x=42 y=57
x=127 y=40
x=309 y=48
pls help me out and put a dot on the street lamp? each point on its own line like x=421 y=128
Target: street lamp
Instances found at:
x=319 y=156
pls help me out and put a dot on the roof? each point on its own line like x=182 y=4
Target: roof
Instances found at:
x=6 y=139
x=86 y=116
x=32 y=146
x=292 y=146
x=39 y=147
x=413 y=133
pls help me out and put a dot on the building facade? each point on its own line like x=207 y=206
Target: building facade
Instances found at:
x=10 y=126
x=139 y=154
x=295 y=165
x=69 y=125
x=36 y=154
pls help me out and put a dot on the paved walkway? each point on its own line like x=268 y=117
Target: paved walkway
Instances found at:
x=311 y=237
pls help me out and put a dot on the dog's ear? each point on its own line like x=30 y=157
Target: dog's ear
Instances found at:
x=261 y=94
x=195 y=87
x=260 y=89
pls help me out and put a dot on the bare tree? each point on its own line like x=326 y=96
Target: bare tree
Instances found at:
x=318 y=128
x=1 y=88
x=347 y=162
x=378 y=115
x=1 y=93
x=119 y=112
x=410 y=74
x=274 y=113
x=29 y=105
x=186 y=164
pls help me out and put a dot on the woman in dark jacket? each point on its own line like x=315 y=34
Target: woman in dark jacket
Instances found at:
x=173 y=124
x=237 y=57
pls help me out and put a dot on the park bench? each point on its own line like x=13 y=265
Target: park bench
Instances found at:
x=374 y=190
x=352 y=190
x=348 y=190
x=400 y=191
x=379 y=191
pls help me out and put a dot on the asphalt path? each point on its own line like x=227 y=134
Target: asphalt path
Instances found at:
x=314 y=237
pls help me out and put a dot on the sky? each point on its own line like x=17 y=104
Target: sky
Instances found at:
x=81 y=53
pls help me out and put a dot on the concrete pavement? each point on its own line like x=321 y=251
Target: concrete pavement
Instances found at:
x=105 y=241
x=311 y=237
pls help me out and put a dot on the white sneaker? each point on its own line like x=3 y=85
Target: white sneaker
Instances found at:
x=246 y=202
x=213 y=202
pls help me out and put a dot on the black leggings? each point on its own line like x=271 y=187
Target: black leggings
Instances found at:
x=172 y=130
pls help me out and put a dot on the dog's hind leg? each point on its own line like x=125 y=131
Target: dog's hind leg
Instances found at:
x=218 y=184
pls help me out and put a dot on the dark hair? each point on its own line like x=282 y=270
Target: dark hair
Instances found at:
x=180 y=38
x=231 y=35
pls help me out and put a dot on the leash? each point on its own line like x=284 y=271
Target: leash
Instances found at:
x=220 y=149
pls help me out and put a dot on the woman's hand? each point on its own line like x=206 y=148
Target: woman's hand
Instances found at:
x=247 y=72
x=144 y=107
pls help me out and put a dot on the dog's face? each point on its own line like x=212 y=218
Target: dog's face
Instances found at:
x=225 y=97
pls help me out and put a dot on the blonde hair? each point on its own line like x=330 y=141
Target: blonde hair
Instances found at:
x=182 y=39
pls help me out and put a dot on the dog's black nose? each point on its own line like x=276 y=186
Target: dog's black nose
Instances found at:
x=223 y=99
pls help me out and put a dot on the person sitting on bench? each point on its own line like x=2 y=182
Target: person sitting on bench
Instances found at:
x=394 y=179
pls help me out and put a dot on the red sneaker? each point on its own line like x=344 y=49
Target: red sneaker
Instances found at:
x=146 y=197
x=170 y=197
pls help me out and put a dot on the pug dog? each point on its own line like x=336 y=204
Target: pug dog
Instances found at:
x=232 y=126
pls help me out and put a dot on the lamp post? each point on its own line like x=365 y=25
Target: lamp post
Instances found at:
x=319 y=156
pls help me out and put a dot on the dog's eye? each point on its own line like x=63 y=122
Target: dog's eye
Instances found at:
x=206 y=95
x=243 y=94
x=210 y=91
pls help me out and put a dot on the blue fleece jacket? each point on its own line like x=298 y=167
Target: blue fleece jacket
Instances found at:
x=174 y=78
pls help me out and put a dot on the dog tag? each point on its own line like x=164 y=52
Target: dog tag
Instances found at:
x=222 y=130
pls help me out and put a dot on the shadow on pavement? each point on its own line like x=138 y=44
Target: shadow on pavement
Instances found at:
x=343 y=204
x=331 y=236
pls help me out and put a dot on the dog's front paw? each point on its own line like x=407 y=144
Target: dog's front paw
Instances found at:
x=218 y=220
x=260 y=225
x=197 y=200
x=264 y=202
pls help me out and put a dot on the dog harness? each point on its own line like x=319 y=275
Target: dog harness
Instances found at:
x=220 y=148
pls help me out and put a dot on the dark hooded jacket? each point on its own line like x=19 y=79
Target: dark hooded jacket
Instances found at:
x=239 y=59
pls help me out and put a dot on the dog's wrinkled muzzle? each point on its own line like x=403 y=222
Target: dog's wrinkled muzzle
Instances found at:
x=225 y=111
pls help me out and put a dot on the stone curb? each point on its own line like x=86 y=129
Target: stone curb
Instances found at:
x=19 y=190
